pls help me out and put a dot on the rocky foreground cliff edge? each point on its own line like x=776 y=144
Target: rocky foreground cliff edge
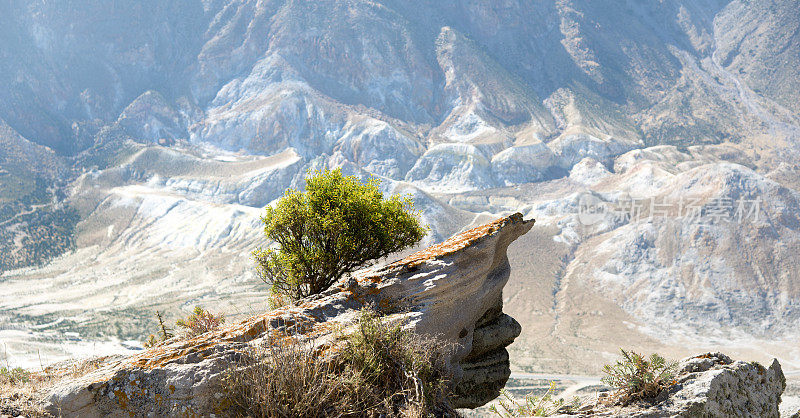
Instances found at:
x=450 y=291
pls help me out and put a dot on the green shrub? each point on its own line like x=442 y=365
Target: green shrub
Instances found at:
x=14 y=376
x=151 y=341
x=200 y=321
x=379 y=370
x=635 y=377
x=333 y=228
x=532 y=405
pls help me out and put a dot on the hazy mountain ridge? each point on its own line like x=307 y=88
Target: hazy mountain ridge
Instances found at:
x=172 y=124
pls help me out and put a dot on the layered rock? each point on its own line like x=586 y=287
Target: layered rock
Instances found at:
x=486 y=367
x=451 y=292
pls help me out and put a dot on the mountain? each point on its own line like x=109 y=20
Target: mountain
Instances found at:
x=142 y=140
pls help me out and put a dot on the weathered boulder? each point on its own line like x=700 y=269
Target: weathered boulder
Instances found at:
x=711 y=385
x=451 y=291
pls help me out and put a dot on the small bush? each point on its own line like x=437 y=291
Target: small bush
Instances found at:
x=396 y=366
x=200 y=321
x=336 y=226
x=283 y=380
x=379 y=370
x=151 y=341
x=635 y=377
x=276 y=300
x=533 y=406
x=14 y=376
x=163 y=334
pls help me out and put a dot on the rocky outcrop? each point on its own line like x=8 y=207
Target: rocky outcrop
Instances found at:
x=451 y=291
x=711 y=385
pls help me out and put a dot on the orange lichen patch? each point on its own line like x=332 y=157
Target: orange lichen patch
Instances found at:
x=458 y=242
x=360 y=294
x=328 y=350
x=323 y=328
x=159 y=356
x=247 y=329
x=386 y=305
x=169 y=351
x=256 y=329
x=122 y=399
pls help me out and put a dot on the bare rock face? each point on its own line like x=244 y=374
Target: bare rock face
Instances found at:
x=713 y=385
x=486 y=367
x=451 y=291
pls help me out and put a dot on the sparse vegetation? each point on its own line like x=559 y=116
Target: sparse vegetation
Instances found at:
x=276 y=300
x=199 y=322
x=338 y=224
x=18 y=397
x=14 y=376
x=34 y=227
x=283 y=380
x=395 y=363
x=21 y=389
x=635 y=377
x=163 y=334
x=378 y=370
x=532 y=405
x=151 y=341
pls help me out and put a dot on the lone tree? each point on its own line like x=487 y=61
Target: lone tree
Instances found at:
x=336 y=226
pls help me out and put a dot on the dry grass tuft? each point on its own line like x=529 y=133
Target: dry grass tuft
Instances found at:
x=636 y=377
x=21 y=390
x=379 y=370
x=16 y=395
x=199 y=322
x=532 y=405
x=284 y=380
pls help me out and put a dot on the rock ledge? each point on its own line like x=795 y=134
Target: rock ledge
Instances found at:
x=450 y=291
